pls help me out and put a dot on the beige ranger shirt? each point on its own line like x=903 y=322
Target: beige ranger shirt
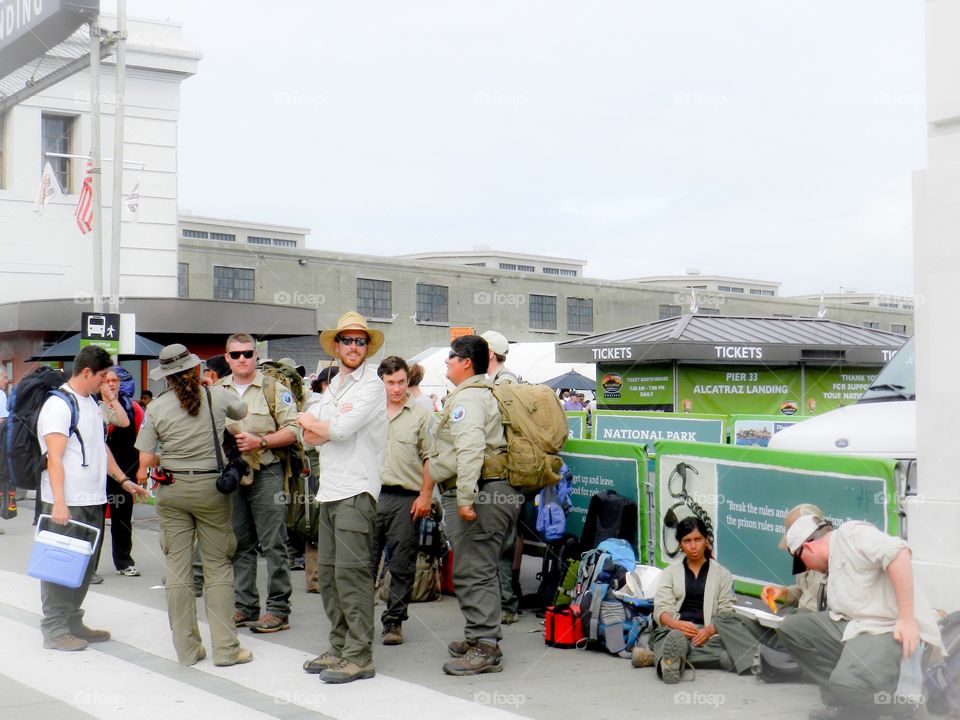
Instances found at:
x=408 y=445
x=469 y=428
x=259 y=421
x=859 y=589
x=502 y=376
x=805 y=592
x=186 y=441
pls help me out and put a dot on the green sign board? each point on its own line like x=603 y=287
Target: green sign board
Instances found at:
x=746 y=389
x=577 y=425
x=598 y=466
x=646 y=428
x=746 y=492
x=636 y=387
x=830 y=388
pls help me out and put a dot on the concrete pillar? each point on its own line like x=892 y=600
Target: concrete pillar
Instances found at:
x=934 y=515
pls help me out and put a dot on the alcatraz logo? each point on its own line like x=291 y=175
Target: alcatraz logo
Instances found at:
x=612 y=383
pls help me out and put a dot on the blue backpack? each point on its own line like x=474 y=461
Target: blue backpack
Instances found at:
x=553 y=504
x=608 y=621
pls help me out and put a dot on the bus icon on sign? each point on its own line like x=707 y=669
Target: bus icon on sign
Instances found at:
x=97 y=325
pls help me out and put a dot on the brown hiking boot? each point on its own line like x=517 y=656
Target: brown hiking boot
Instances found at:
x=347 y=671
x=392 y=634
x=321 y=662
x=481 y=658
x=270 y=623
x=66 y=642
x=242 y=657
x=241 y=620
x=459 y=648
x=91 y=635
x=642 y=657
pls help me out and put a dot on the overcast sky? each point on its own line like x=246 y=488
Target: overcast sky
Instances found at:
x=758 y=139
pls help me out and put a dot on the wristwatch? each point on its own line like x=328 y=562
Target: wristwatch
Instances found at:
x=263 y=442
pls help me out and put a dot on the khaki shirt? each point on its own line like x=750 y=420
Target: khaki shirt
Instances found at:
x=503 y=376
x=408 y=446
x=805 y=592
x=186 y=441
x=469 y=428
x=259 y=421
x=859 y=589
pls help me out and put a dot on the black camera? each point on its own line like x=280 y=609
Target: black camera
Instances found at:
x=229 y=479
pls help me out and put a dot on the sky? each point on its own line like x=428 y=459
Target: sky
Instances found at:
x=748 y=138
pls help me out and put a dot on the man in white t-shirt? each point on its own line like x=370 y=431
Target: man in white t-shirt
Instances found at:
x=73 y=487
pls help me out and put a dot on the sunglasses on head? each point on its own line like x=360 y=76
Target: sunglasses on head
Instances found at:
x=237 y=354
x=348 y=341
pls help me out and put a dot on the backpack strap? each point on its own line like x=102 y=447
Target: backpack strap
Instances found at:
x=74 y=419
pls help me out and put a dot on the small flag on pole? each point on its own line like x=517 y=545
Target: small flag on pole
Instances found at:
x=694 y=303
x=84 y=212
x=822 y=311
x=49 y=186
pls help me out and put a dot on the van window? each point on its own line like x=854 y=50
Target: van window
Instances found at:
x=897 y=380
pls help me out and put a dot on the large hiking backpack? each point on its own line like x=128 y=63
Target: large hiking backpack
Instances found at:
x=558 y=556
x=943 y=678
x=608 y=621
x=536 y=429
x=21 y=462
x=292 y=457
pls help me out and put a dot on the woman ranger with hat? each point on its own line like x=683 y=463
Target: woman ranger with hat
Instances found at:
x=178 y=433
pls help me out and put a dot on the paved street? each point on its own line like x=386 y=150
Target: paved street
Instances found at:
x=136 y=674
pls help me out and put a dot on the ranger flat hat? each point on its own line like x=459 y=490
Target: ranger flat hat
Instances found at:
x=174 y=359
x=351 y=320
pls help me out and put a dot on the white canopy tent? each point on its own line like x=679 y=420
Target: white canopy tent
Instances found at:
x=532 y=361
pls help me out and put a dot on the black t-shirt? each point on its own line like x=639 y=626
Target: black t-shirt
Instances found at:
x=692 y=608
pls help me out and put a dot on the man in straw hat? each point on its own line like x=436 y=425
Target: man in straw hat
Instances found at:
x=349 y=426
x=876 y=617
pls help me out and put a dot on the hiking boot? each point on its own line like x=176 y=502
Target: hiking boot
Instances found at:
x=509 y=618
x=96 y=579
x=242 y=657
x=673 y=654
x=241 y=620
x=65 y=642
x=322 y=662
x=129 y=571
x=459 y=648
x=642 y=657
x=347 y=671
x=270 y=623
x=91 y=635
x=392 y=634
x=481 y=658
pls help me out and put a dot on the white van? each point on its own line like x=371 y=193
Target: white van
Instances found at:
x=882 y=423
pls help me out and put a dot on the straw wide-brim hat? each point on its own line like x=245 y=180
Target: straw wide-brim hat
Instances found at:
x=351 y=321
x=174 y=359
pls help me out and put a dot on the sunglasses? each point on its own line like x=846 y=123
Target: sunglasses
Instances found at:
x=237 y=354
x=453 y=355
x=348 y=341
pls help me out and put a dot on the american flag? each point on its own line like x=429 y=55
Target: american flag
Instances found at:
x=84 y=213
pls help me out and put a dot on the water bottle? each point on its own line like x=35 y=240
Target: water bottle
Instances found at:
x=910 y=684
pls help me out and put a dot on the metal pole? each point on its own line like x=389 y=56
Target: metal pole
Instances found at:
x=95 y=164
x=119 y=105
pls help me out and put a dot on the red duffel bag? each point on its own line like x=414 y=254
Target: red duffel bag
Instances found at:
x=563 y=626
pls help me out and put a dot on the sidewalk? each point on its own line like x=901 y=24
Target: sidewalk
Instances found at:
x=136 y=674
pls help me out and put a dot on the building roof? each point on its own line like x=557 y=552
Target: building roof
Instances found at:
x=736 y=340
x=491 y=253
x=687 y=279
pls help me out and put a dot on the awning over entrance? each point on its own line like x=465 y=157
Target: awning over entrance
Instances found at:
x=716 y=339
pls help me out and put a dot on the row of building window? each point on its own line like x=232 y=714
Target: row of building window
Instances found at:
x=230 y=237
